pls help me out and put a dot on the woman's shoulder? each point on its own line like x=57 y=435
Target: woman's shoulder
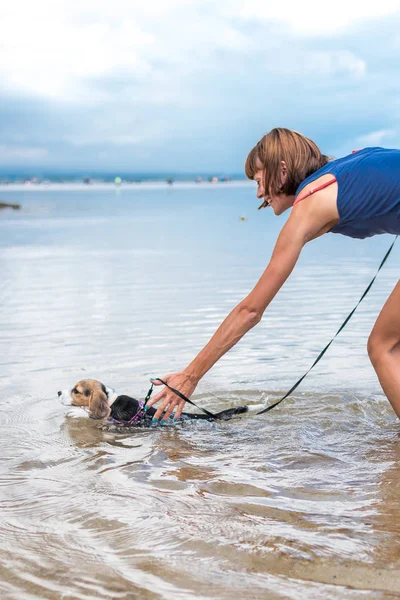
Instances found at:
x=317 y=177
x=317 y=184
x=316 y=206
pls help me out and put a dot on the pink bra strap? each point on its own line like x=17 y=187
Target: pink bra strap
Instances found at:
x=320 y=187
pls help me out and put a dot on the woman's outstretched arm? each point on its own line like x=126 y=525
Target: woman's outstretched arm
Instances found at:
x=303 y=224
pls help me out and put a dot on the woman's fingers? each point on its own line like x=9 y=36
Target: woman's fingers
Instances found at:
x=167 y=400
x=167 y=406
x=157 y=397
x=179 y=410
x=160 y=394
x=172 y=407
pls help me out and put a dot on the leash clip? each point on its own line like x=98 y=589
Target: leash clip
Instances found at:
x=148 y=395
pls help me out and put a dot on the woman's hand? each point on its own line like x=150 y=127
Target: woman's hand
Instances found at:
x=183 y=382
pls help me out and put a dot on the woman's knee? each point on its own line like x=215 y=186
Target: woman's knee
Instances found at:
x=374 y=347
x=380 y=345
x=384 y=341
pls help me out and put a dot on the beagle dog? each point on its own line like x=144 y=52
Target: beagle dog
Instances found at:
x=103 y=403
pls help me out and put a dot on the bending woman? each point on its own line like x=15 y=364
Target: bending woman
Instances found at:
x=357 y=196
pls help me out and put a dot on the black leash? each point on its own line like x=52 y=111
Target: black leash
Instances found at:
x=320 y=355
x=178 y=393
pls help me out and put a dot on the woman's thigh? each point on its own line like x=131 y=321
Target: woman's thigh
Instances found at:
x=386 y=331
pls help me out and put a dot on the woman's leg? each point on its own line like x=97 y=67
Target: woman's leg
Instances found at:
x=384 y=348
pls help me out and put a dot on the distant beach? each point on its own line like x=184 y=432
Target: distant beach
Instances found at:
x=105 y=185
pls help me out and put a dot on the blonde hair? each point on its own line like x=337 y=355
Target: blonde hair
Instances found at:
x=301 y=155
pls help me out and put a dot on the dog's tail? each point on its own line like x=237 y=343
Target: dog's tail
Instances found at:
x=227 y=414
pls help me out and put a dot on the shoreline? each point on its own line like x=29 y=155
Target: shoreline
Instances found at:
x=78 y=186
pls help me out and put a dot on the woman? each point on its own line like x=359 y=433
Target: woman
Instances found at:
x=357 y=196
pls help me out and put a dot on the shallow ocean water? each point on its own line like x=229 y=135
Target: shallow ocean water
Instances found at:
x=126 y=285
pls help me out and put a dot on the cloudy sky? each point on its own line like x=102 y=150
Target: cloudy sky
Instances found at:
x=190 y=85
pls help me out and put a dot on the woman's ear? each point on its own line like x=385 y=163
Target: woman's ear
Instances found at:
x=283 y=172
x=98 y=407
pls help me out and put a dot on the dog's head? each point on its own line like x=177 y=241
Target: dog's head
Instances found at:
x=90 y=394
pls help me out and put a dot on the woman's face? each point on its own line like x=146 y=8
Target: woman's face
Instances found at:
x=278 y=203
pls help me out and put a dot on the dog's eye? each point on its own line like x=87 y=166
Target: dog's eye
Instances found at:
x=75 y=391
x=87 y=392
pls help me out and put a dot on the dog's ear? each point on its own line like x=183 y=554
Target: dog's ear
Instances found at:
x=98 y=407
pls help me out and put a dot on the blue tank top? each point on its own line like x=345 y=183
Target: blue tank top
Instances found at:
x=368 y=198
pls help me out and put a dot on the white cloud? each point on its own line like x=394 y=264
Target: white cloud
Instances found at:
x=376 y=138
x=49 y=49
x=319 y=63
x=340 y=62
x=53 y=49
x=315 y=17
x=154 y=77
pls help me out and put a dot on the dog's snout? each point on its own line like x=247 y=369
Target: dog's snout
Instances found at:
x=65 y=397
